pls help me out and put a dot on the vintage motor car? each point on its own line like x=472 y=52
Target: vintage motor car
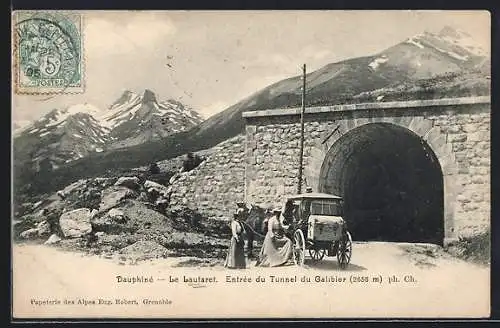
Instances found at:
x=314 y=221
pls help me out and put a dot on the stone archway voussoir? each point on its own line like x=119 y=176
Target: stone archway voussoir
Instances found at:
x=440 y=147
x=446 y=161
x=423 y=127
x=405 y=121
x=378 y=119
x=360 y=121
x=432 y=134
x=450 y=169
x=389 y=119
x=415 y=124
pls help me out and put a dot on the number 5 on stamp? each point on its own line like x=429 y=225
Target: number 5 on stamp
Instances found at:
x=48 y=52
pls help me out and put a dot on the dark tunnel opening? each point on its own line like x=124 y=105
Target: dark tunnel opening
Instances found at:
x=391 y=182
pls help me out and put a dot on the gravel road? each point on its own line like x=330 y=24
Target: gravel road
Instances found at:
x=383 y=280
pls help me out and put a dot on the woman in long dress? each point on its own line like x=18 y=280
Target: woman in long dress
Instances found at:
x=277 y=248
x=236 y=254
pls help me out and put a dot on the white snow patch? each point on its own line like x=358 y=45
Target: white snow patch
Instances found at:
x=34 y=131
x=379 y=98
x=61 y=115
x=118 y=115
x=77 y=135
x=133 y=97
x=452 y=54
x=376 y=63
x=44 y=133
x=415 y=43
x=466 y=41
x=99 y=150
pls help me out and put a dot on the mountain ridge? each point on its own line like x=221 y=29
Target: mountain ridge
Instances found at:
x=63 y=135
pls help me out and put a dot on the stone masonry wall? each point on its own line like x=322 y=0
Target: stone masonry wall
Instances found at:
x=469 y=136
x=214 y=187
x=273 y=158
x=273 y=146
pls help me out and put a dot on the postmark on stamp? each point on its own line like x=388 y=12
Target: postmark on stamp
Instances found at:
x=48 y=53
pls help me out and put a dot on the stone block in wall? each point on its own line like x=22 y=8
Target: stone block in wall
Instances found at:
x=484 y=162
x=477 y=196
x=479 y=171
x=460 y=137
x=250 y=130
x=454 y=129
x=478 y=136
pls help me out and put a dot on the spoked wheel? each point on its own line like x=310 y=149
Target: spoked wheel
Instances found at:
x=344 y=251
x=317 y=254
x=299 y=247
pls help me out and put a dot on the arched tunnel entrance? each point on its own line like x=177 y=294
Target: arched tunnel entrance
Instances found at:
x=391 y=182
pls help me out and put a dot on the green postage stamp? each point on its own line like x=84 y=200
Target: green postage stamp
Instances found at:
x=48 y=52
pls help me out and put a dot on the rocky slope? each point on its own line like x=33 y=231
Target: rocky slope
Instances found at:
x=125 y=217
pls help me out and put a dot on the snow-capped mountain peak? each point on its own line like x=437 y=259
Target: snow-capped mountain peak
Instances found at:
x=148 y=96
x=135 y=118
x=126 y=97
x=453 y=42
x=462 y=39
x=68 y=134
x=121 y=110
x=59 y=116
x=84 y=108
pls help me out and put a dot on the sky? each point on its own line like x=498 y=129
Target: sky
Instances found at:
x=211 y=60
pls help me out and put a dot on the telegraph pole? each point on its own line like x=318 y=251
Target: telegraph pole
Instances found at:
x=299 y=187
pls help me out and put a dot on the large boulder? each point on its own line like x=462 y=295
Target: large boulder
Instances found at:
x=77 y=185
x=43 y=228
x=146 y=219
x=157 y=193
x=85 y=192
x=114 y=196
x=117 y=215
x=53 y=239
x=76 y=223
x=115 y=221
x=129 y=182
x=156 y=187
x=29 y=234
x=143 y=250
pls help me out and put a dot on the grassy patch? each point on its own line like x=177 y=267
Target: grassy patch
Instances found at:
x=476 y=249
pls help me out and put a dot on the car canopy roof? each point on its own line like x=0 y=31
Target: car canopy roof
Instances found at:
x=313 y=195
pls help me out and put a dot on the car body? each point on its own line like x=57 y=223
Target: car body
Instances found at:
x=317 y=218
